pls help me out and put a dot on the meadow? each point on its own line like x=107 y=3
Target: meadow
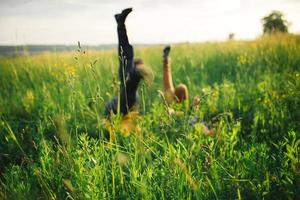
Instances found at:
x=53 y=141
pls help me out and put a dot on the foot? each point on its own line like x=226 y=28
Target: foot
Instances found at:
x=166 y=51
x=120 y=18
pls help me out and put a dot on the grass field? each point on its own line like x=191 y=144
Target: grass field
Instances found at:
x=52 y=133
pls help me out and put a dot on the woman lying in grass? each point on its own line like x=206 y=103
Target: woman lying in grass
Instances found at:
x=180 y=94
x=131 y=72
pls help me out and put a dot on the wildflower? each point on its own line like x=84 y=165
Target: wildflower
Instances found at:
x=150 y=172
x=127 y=125
x=244 y=59
x=254 y=45
x=203 y=128
x=71 y=70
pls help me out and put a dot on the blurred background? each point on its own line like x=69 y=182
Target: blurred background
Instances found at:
x=65 y=22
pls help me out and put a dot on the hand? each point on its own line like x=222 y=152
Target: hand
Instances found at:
x=166 y=51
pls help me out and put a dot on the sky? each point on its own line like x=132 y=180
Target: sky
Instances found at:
x=152 y=21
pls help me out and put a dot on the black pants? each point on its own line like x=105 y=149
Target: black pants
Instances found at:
x=129 y=79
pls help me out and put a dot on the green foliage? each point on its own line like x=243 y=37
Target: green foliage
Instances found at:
x=53 y=140
x=275 y=22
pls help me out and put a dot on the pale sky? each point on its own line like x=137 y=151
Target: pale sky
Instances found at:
x=152 y=21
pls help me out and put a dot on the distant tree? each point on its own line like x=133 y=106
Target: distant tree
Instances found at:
x=231 y=36
x=275 y=22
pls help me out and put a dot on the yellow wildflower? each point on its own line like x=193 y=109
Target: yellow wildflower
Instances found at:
x=127 y=125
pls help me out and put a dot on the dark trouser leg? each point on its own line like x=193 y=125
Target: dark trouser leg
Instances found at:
x=125 y=53
x=126 y=65
x=128 y=94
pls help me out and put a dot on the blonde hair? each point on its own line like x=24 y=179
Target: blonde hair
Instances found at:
x=145 y=71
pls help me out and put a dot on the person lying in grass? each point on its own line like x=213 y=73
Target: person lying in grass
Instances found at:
x=131 y=72
x=180 y=94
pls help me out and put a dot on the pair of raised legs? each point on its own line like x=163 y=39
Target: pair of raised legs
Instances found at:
x=131 y=71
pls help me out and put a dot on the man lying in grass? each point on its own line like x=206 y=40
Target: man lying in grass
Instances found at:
x=180 y=94
x=131 y=72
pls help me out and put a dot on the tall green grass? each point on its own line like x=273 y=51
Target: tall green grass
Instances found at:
x=53 y=141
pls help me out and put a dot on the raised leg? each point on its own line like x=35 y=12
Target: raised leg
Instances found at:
x=128 y=86
x=125 y=50
x=180 y=93
x=167 y=76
